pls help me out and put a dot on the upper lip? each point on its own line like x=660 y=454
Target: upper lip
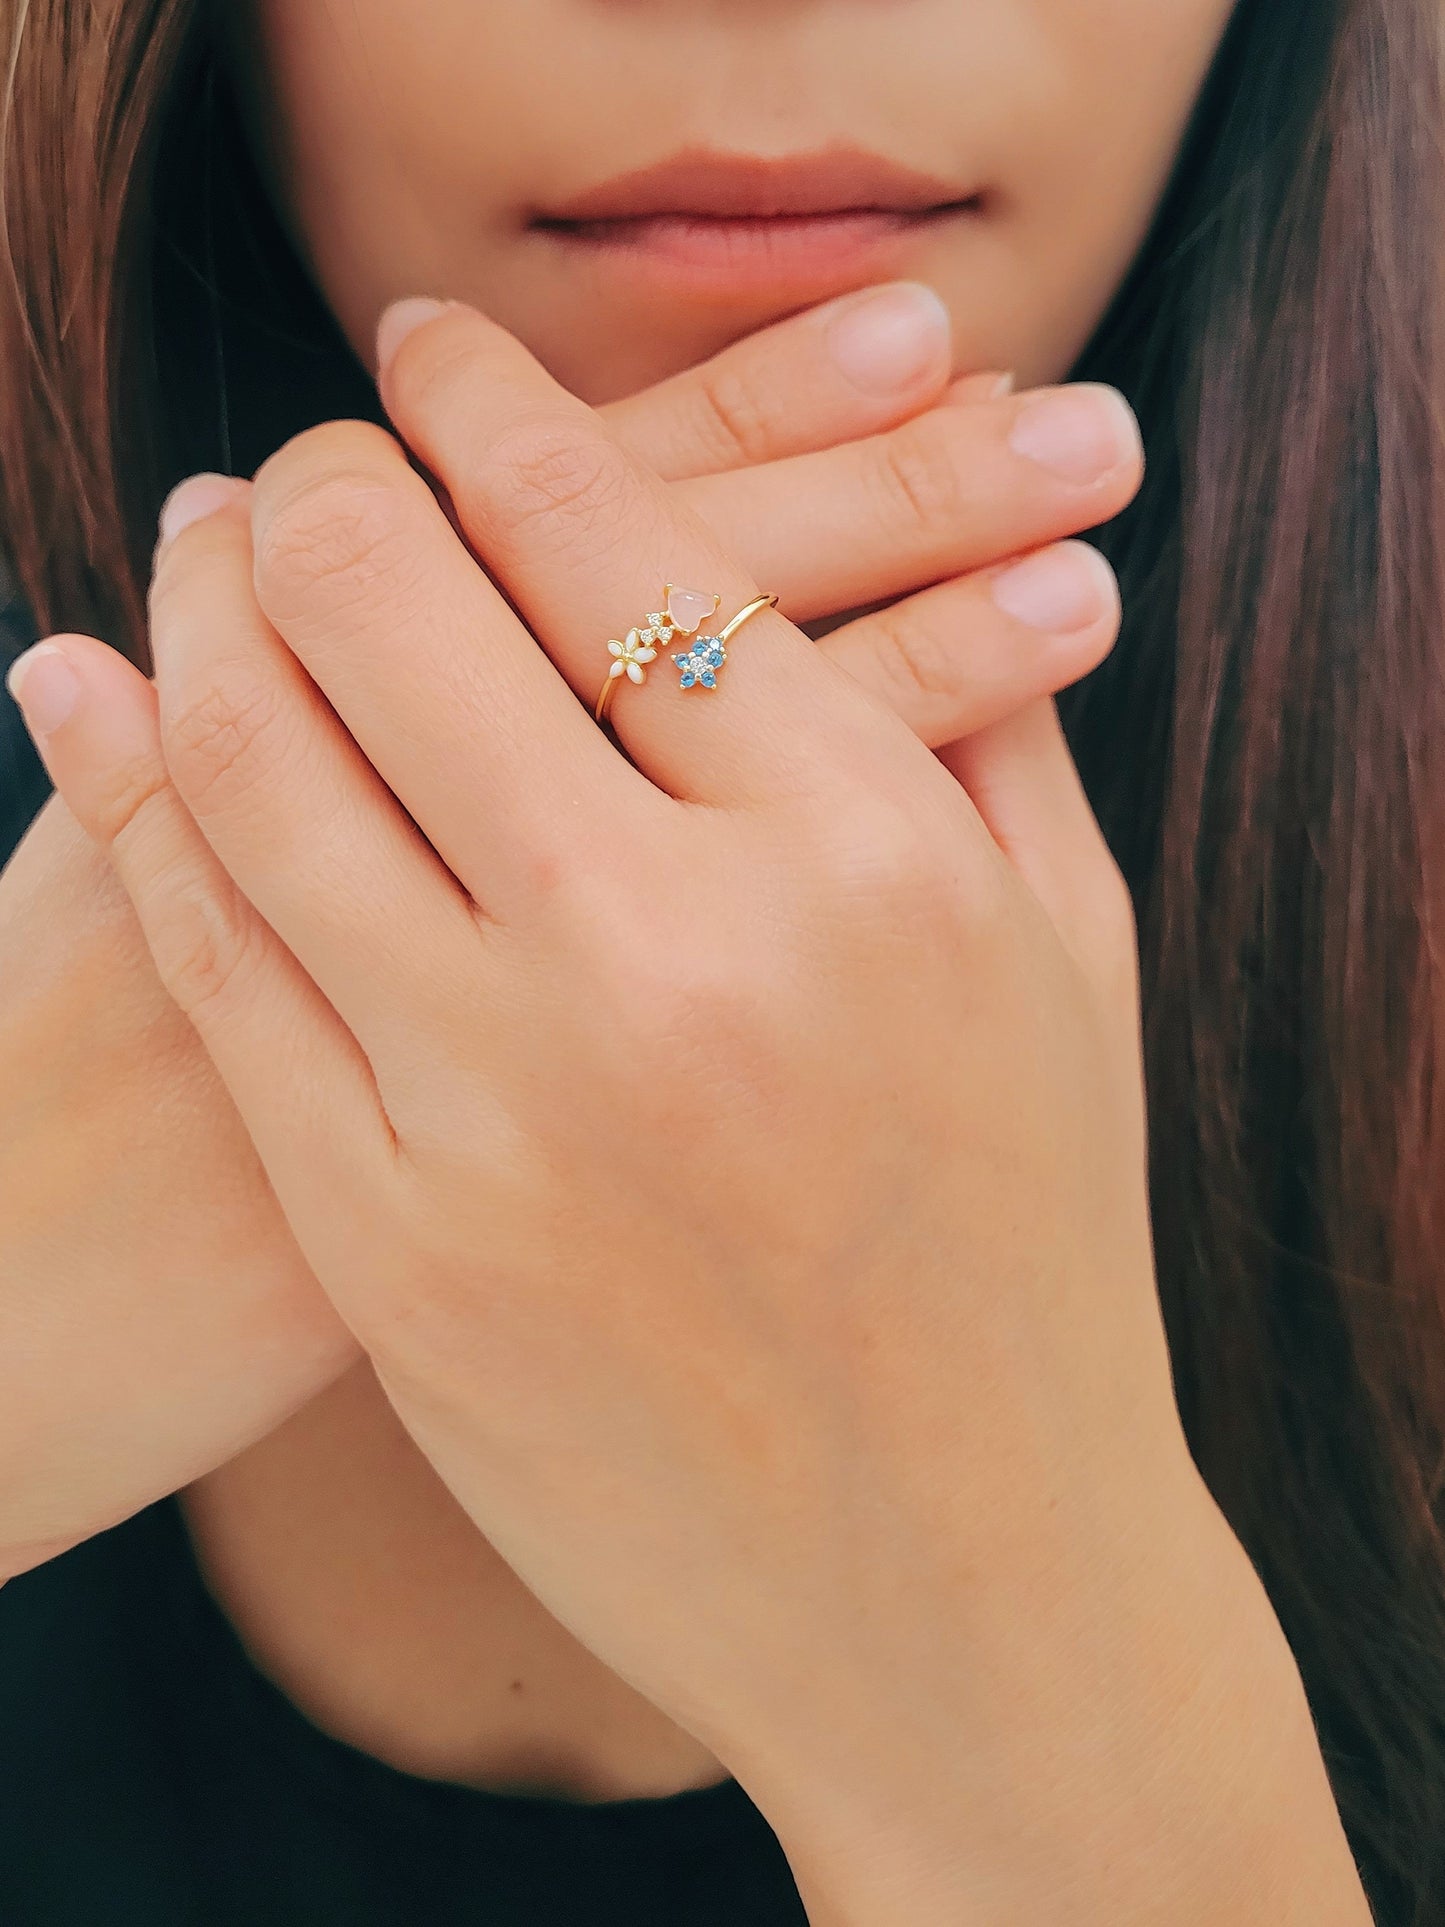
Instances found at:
x=707 y=180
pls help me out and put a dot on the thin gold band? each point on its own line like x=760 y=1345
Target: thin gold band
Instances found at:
x=748 y=608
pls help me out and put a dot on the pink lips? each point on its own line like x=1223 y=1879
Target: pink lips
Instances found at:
x=708 y=219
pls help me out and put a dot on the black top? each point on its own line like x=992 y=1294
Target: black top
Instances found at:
x=152 y=1776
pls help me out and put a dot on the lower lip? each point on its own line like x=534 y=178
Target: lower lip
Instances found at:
x=711 y=251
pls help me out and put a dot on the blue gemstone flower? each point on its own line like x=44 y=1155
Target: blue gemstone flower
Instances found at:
x=701 y=662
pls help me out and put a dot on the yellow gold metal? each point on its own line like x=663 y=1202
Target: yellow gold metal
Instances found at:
x=758 y=602
x=637 y=648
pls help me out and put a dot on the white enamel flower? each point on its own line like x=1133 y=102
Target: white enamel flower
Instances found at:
x=631 y=655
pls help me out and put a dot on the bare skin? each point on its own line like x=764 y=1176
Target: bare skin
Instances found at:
x=1022 y=101
x=731 y=1157
x=1024 y=96
x=211 y=1332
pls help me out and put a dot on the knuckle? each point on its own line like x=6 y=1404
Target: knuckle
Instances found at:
x=222 y=741
x=920 y=479
x=131 y=794
x=736 y=425
x=896 y=878
x=203 y=939
x=919 y=669
x=1106 y=925
x=1119 y=901
x=550 y=474
x=347 y=533
x=714 y=1030
x=666 y=988
x=883 y=854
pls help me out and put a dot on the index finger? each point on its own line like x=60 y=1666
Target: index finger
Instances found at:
x=843 y=369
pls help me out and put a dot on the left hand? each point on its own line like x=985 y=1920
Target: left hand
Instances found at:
x=732 y=1158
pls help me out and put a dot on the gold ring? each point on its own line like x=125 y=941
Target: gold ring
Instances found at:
x=683 y=613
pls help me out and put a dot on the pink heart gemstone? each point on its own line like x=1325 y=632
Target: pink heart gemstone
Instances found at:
x=687 y=608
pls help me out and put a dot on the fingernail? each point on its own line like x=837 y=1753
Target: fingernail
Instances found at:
x=1003 y=386
x=397 y=322
x=1080 y=432
x=1060 y=589
x=196 y=496
x=45 y=686
x=891 y=337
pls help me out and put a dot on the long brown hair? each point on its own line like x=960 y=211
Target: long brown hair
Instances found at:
x=1265 y=747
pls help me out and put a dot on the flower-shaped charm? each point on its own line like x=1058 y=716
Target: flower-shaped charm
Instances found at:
x=632 y=654
x=701 y=662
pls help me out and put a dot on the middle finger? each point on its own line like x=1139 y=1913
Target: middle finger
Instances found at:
x=950 y=491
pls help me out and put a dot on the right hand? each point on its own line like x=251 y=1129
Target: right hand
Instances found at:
x=155 y=1315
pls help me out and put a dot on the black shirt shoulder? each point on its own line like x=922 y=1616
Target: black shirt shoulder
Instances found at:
x=152 y=1776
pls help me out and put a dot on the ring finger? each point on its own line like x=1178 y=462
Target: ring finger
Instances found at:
x=583 y=537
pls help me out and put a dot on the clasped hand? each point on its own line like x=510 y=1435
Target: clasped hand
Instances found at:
x=727 y=1142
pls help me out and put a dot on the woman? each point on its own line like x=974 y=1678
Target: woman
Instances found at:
x=697 y=1440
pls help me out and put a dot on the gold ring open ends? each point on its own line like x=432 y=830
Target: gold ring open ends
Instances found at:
x=683 y=613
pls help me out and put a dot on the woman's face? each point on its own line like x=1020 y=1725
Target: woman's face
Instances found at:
x=420 y=147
